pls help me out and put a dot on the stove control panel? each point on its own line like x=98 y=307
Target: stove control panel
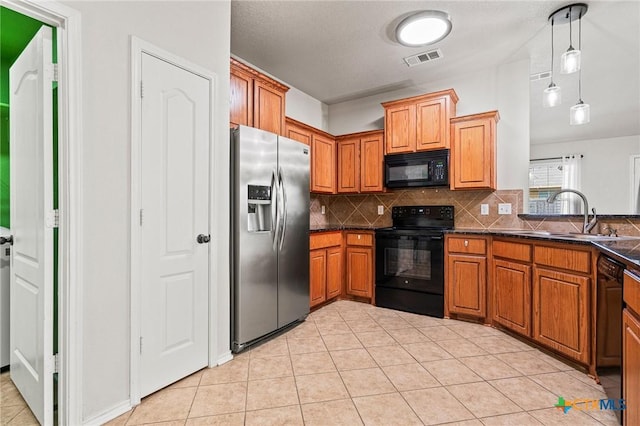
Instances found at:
x=437 y=217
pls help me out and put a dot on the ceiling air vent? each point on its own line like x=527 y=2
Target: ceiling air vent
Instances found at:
x=540 y=76
x=423 y=57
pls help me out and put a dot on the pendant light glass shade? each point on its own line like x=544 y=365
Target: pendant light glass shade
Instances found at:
x=579 y=113
x=570 y=61
x=552 y=96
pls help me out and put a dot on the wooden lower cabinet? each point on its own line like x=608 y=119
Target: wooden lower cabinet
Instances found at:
x=359 y=271
x=561 y=303
x=467 y=284
x=334 y=272
x=325 y=275
x=512 y=295
x=631 y=367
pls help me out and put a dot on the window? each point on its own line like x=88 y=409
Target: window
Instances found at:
x=545 y=177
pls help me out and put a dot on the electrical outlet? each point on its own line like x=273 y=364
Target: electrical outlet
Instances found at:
x=504 y=208
x=323 y=210
x=380 y=210
x=484 y=209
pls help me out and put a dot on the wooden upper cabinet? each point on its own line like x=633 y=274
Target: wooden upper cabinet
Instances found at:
x=297 y=131
x=360 y=162
x=348 y=165
x=419 y=123
x=256 y=99
x=372 y=162
x=473 y=151
x=323 y=164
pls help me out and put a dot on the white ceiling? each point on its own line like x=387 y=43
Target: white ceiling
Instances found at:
x=343 y=50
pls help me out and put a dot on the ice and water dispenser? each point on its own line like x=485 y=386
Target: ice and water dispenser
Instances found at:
x=259 y=208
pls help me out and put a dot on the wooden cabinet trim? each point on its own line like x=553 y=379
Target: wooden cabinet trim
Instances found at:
x=301 y=125
x=479 y=116
x=258 y=75
x=414 y=99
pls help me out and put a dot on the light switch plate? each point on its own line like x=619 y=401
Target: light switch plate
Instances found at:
x=380 y=210
x=484 y=209
x=322 y=210
x=504 y=208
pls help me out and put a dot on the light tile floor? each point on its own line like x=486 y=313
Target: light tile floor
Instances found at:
x=351 y=363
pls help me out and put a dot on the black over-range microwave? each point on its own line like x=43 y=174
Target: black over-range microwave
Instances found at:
x=427 y=168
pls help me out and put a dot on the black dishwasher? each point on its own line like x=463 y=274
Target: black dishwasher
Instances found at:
x=609 y=326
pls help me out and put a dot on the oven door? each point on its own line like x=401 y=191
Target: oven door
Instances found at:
x=410 y=262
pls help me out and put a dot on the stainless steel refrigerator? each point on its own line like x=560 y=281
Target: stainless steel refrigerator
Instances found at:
x=270 y=234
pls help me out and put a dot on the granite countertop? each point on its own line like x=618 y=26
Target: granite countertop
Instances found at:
x=624 y=249
x=327 y=228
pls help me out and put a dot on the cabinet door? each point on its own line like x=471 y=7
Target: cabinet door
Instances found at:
x=348 y=165
x=240 y=104
x=467 y=285
x=268 y=108
x=400 y=129
x=323 y=165
x=512 y=295
x=472 y=155
x=431 y=125
x=298 y=133
x=560 y=312
x=371 y=163
x=334 y=272
x=631 y=367
x=359 y=271
x=317 y=277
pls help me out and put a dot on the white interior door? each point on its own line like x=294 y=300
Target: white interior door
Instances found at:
x=31 y=145
x=175 y=111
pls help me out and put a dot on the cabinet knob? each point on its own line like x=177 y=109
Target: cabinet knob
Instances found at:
x=359 y=236
x=466 y=243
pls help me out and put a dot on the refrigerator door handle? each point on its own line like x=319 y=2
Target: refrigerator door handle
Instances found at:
x=283 y=203
x=275 y=214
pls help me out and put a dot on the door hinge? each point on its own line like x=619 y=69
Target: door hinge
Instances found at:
x=55 y=72
x=141 y=216
x=56 y=364
x=52 y=219
x=140 y=345
x=141 y=89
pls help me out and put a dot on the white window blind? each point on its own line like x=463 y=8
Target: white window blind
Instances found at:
x=545 y=177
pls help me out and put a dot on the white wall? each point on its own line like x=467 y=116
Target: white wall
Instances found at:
x=199 y=32
x=606 y=180
x=299 y=105
x=505 y=88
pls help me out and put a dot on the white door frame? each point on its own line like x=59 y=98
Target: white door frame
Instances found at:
x=68 y=30
x=139 y=46
x=633 y=183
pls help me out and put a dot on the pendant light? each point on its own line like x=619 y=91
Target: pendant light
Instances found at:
x=553 y=94
x=570 y=60
x=580 y=113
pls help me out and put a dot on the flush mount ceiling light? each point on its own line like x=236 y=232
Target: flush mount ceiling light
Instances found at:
x=423 y=28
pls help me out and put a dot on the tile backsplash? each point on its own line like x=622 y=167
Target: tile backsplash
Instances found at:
x=361 y=210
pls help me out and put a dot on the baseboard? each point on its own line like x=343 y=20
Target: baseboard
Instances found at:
x=225 y=357
x=111 y=414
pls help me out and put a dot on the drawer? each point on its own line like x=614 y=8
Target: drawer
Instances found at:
x=631 y=291
x=325 y=239
x=512 y=250
x=564 y=258
x=359 y=239
x=467 y=245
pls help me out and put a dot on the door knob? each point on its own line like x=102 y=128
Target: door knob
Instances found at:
x=4 y=240
x=203 y=239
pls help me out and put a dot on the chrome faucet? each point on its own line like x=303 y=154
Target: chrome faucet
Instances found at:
x=587 y=225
